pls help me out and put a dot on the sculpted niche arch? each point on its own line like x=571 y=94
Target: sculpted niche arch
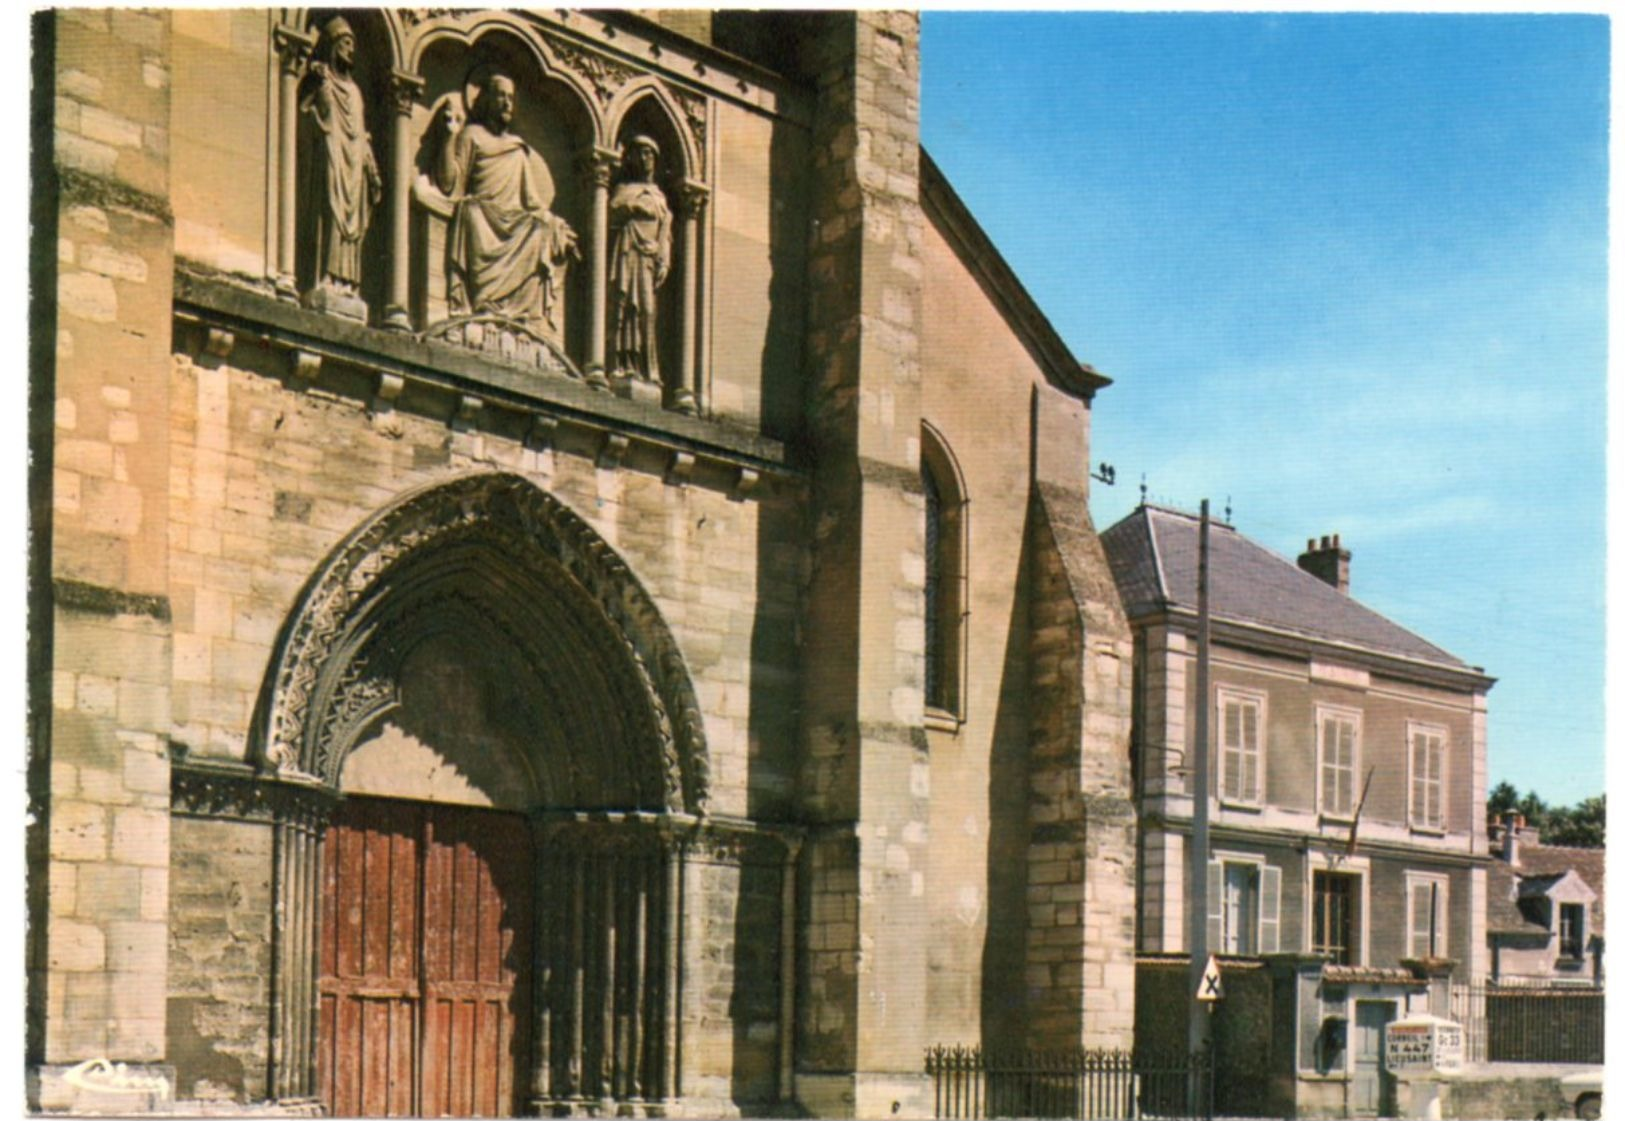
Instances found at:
x=480 y=548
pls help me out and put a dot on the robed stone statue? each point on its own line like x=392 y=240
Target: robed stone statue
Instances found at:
x=343 y=184
x=639 y=260
x=506 y=250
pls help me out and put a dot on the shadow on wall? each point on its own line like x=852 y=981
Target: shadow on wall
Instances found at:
x=1004 y=947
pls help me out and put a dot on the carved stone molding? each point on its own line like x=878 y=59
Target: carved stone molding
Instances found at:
x=691 y=199
x=604 y=75
x=404 y=91
x=239 y=793
x=695 y=111
x=293 y=48
x=519 y=521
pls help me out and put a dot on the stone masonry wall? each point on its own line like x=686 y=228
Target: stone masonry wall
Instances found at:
x=267 y=480
x=865 y=768
x=1080 y=862
x=108 y=828
x=219 y=958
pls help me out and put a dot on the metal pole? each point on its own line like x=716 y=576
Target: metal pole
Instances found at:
x=1197 y=893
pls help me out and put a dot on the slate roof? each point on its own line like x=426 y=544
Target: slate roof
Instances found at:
x=1153 y=556
x=1539 y=867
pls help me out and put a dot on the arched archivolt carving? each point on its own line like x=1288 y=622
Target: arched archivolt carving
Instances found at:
x=641 y=96
x=486 y=549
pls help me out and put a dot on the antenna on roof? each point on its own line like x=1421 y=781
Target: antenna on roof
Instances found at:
x=1227 y=509
x=1142 y=488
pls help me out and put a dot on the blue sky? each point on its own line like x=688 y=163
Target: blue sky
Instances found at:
x=1348 y=273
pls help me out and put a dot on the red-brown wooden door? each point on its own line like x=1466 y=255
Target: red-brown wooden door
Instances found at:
x=424 y=961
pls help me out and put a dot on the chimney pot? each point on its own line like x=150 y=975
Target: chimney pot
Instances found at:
x=1327 y=562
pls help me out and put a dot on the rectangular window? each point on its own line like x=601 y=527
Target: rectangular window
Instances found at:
x=1243 y=907
x=1427 y=900
x=1427 y=777
x=1241 y=753
x=1333 y=927
x=1339 y=760
x=1571 y=934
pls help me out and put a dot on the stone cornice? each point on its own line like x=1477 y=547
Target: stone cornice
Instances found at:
x=977 y=250
x=1244 y=635
x=237 y=792
x=435 y=379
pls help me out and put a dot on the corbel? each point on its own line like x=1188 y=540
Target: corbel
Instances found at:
x=306 y=366
x=612 y=451
x=543 y=433
x=680 y=469
x=217 y=343
x=749 y=480
x=387 y=391
x=467 y=414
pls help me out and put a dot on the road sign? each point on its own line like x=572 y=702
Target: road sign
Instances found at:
x=1210 y=987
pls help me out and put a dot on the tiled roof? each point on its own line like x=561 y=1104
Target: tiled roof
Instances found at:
x=1369 y=975
x=1539 y=867
x=1153 y=555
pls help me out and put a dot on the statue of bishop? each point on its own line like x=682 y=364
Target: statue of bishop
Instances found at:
x=343 y=184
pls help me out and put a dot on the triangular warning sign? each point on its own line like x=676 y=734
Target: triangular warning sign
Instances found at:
x=1210 y=987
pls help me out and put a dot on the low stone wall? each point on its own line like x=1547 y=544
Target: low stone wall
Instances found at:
x=1509 y=1090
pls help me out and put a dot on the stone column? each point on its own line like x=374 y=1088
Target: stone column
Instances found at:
x=293 y=47
x=597 y=168
x=404 y=90
x=865 y=781
x=301 y=817
x=690 y=383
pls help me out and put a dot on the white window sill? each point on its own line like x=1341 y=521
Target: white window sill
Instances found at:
x=941 y=720
x=1428 y=830
x=1245 y=807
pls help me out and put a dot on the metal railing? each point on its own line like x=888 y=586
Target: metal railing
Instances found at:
x=1526 y=1023
x=1106 y=1085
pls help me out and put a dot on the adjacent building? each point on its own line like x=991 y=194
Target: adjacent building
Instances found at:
x=1347 y=784
x=1545 y=909
x=563 y=581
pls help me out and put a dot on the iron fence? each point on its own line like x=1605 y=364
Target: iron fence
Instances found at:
x=1103 y=1085
x=1529 y=1023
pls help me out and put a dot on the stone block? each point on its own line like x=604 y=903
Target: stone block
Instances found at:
x=146 y=768
x=141 y=837
x=95 y=158
x=143 y=705
x=192 y=657
x=76 y=947
x=155 y=894
x=78 y=831
x=103 y=786
x=112 y=507
x=63 y=888
x=108 y=891
x=86 y=457
x=138 y=947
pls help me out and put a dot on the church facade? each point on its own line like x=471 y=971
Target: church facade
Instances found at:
x=561 y=577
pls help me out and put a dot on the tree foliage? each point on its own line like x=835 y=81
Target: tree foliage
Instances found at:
x=1582 y=825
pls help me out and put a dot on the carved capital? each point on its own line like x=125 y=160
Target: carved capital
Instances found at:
x=598 y=166
x=691 y=198
x=404 y=91
x=293 y=47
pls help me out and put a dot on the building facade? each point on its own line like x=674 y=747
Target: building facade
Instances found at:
x=1546 y=909
x=1347 y=783
x=516 y=625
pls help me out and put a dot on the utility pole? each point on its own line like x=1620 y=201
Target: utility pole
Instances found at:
x=1197 y=891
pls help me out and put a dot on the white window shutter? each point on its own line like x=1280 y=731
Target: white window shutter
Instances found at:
x=1215 y=906
x=1269 y=911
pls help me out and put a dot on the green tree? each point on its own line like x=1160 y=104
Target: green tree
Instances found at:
x=1581 y=826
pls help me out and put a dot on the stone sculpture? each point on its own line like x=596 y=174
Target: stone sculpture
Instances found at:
x=639 y=259
x=506 y=251
x=343 y=183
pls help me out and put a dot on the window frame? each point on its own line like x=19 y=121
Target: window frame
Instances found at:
x=1324 y=715
x=1439 y=884
x=1563 y=941
x=1225 y=695
x=1358 y=867
x=1265 y=922
x=947 y=569
x=1416 y=730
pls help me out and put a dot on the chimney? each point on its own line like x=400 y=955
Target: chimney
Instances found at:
x=1511 y=826
x=1328 y=561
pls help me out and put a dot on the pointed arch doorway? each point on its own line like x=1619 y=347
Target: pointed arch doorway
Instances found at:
x=485 y=924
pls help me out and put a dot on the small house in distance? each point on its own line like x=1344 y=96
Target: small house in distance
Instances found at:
x=1349 y=856
x=1545 y=909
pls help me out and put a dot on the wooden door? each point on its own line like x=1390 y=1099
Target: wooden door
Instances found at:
x=1371 y=1091
x=424 y=987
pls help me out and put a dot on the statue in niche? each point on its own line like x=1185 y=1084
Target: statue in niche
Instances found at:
x=506 y=251
x=343 y=184
x=639 y=259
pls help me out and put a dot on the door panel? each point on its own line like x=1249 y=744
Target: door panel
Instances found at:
x=424 y=974
x=1371 y=1096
